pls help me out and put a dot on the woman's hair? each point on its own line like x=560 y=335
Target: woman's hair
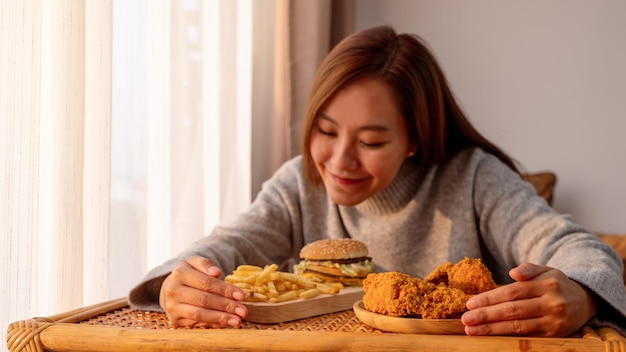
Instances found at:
x=436 y=124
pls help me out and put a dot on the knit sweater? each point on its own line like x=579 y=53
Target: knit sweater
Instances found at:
x=471 y=206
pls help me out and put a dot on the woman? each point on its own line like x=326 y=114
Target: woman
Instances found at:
x=389 y=159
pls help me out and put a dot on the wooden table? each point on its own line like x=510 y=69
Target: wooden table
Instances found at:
x=113 y=326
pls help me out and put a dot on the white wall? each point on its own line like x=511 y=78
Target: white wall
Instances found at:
x=545 y=80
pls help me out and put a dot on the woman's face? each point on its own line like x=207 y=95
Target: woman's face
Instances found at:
x=359 y=141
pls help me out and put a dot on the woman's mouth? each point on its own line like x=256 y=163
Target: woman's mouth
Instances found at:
x=344 y=180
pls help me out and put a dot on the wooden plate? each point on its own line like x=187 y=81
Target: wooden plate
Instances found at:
x=271 y=313
x=408 y=325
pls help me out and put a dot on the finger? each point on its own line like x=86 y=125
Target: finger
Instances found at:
x=193 y=316
x=527 y=271
x=183 y=322
x=210 y=299
x=200 y=308
x=190 y=276
x=175 y=295
x=204 y=265
x=510 y=292
x=526 y=327
x=506 y=311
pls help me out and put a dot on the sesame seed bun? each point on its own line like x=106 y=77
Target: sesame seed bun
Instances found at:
x=333 y=249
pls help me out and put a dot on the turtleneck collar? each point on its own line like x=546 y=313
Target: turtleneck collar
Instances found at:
x=397 y=194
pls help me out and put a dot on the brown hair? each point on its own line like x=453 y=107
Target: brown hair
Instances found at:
x=436 y=124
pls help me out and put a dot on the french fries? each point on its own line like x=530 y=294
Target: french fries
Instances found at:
x=267 y=284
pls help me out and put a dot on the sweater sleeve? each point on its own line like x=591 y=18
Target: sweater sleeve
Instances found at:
x=518 y=226
x=267 y=232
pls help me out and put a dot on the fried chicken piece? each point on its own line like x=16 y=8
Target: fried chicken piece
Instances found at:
x=468 y=275
x=443 y=294
x=393 y=293
x=444 y=303
x=398 y=294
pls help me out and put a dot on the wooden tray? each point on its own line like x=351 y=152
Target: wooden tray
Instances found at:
x=408 y=325
x=269 y=313
x=114 y=326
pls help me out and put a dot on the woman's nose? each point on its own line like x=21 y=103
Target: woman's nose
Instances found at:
x=345 y=156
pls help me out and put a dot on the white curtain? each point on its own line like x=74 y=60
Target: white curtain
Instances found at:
x=54 y=154
x=125 y=133
x=129 y=128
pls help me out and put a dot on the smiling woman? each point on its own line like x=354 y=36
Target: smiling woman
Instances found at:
x=360 y=141
x=391 y=160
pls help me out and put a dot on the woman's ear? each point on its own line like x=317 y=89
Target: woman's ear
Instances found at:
x=412 y=151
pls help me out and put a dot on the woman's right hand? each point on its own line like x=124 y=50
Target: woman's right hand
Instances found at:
x=193 y=295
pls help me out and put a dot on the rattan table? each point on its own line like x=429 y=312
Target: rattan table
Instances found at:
x=114 y=326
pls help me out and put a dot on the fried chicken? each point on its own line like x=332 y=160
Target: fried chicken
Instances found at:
x=468 y=275
x=398 y=294
x=442 y=295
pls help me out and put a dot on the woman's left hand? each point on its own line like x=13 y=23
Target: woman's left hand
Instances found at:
x=542 y=302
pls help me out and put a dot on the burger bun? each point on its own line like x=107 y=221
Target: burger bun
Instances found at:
x=334 y=249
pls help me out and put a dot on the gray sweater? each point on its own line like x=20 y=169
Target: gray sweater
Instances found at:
x=472 y=206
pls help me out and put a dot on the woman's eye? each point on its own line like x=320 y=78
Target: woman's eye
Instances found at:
x=371 y=145
x=325 y=132
x=363 y=144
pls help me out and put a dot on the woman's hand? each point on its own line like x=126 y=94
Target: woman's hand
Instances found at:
x=193 y=295
x=543 y=302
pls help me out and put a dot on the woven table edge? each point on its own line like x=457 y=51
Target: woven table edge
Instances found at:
x=24 y=335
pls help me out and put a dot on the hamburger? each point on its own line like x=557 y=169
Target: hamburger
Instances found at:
x=335 y=260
